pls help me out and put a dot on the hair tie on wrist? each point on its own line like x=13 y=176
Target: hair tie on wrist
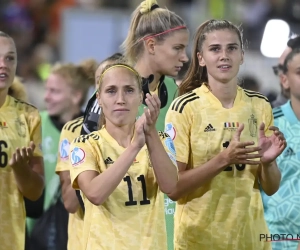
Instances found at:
x=153 y=7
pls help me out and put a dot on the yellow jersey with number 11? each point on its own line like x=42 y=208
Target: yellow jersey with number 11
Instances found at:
x=132 y=217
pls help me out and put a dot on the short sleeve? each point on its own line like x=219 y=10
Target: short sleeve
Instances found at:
x=83 y=157
x=177 y=126
x=35 y=131
x=63 y=163
x=268 y=118
x=169 y=147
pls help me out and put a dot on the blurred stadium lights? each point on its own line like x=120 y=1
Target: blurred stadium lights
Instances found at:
x=275 y=37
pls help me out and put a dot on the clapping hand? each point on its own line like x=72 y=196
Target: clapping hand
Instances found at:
x=272 y=146
x=22 y=156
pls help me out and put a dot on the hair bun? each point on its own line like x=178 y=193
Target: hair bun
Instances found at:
x=146 y=6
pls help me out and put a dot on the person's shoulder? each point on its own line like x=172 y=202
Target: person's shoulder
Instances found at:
x=22 y=105
x=92 y=138
x=277 y=112
x=180 y=103
x=73 y=124
x=257 y=96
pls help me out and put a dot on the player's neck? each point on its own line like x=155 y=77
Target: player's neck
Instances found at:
x=225 y=92
x=3 y=94
x=143 y=67
x=123 y=135
x=296 y=106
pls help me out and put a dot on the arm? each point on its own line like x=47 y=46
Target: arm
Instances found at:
x=70 y=199
x=236 y=153
x=190 y=180
x=29 y=176
x=269 y=177
x=164 y=169
x=98 y=187
x=63 y=167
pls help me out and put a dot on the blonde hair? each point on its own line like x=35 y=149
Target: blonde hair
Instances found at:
x=81 y=77
x=17 y=90
x=122 y=64
x=149 y=19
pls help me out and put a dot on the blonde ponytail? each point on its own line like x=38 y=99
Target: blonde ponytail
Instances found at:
x=146 y=6
x=148 y=20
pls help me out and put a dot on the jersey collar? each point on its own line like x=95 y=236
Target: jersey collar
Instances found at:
x=213 y=99
x=162 y=89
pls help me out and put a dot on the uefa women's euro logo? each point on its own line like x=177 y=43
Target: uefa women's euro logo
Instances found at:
x=77 y=156
x=64 y=148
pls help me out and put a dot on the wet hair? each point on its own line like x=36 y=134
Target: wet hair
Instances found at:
x=289 y=58
x=147 y=21
x=197 y=75
x=81 y=77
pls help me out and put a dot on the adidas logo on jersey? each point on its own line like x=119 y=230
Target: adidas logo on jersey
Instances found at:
x=209 y=128
x=108 y=160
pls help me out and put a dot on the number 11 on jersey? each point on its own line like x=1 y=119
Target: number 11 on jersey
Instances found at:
x=131 y=201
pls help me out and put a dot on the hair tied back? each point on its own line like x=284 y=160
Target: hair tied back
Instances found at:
x=154 y=6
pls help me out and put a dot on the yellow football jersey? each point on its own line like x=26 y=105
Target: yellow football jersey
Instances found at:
x=70 y=131
x=227 y=211
x=20 y=123
x=132 y=217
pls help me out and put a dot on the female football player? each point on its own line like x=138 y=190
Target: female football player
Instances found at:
x=70 y=131
x=21 y=161
x=156 y=44
x=226 y=148
x=286 y=118
x=124 y=168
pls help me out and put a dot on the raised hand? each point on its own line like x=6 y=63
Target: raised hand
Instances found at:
x=272 y=146
x=241 y=152
x=151 y=112
x=22 y=156
x=139 y=135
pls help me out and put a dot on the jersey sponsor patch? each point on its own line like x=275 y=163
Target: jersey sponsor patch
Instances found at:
x=77 y=156
x=64 y=148
x=170 y=146
x=170 y=130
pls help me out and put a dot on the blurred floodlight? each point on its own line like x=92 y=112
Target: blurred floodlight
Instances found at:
x=275 y=38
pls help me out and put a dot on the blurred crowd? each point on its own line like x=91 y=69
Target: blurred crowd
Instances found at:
x=35 y=25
